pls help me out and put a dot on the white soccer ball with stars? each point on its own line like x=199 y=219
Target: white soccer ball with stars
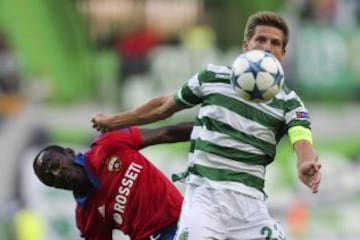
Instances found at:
x=257 y=76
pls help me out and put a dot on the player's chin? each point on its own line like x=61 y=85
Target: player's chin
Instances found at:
x=62 y=185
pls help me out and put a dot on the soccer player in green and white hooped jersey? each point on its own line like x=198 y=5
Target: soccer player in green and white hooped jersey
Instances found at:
x=233 y=140
x=232 y=143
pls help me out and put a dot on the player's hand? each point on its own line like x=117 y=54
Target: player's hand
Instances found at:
x=98 y=121
x=310 y=175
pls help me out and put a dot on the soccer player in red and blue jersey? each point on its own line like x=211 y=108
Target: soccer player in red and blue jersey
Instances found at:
x=115 y=186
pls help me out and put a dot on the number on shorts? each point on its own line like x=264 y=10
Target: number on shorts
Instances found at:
x=267 y=232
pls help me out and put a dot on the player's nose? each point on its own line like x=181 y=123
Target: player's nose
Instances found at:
x=267 y=46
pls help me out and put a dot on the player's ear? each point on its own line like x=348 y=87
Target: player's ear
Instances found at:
x=70 y=151
x=244 y=45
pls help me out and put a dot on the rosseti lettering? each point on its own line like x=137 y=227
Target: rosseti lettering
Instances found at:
x=132 y=172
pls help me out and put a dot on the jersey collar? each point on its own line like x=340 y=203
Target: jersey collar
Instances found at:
x=80 y=160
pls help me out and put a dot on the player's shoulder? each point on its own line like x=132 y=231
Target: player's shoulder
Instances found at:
x=287 y=99
x=287 y=93
x=214 y=68
x=214 y=73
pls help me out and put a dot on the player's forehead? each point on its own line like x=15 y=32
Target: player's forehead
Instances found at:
x=269 y=32
x=40 y=159
x=44 y=158
x=42 y=164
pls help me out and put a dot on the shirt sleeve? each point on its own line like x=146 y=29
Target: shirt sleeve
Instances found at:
x=190 y=94
x=136 y=137
x=296 y=113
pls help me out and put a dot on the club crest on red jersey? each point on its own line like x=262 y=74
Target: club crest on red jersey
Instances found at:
x=113 y=164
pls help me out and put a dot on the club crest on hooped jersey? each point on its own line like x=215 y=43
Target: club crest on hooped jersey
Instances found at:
x=113 y=163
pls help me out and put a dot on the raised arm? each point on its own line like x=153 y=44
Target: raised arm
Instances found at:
x=157 y=108
x=167 y=134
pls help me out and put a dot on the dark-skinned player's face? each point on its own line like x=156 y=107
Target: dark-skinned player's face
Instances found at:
x=267 y=38
x=58 y=170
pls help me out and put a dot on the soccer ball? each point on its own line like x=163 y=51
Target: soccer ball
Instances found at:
x=257 y=76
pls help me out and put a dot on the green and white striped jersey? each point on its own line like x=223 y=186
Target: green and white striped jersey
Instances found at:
x=233 y=140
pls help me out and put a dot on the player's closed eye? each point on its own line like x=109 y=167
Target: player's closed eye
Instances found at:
x=276 y=43
x=260 y=40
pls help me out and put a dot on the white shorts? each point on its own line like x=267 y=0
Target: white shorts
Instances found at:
x=222 y=214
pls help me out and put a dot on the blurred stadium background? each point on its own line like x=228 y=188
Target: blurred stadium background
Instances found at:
x=62 y=61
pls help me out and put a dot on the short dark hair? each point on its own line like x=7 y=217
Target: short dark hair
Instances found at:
x=266 y=18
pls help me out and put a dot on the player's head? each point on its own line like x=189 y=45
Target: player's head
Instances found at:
x=266 y=31
x=55 y=167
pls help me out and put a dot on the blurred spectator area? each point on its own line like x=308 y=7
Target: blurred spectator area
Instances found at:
x=128 y=32
x=50 y=41
x=322 y=60
x=158 y=44
x=104 y=49
x=100 y=49
x=167 y=17
x=10 y=79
